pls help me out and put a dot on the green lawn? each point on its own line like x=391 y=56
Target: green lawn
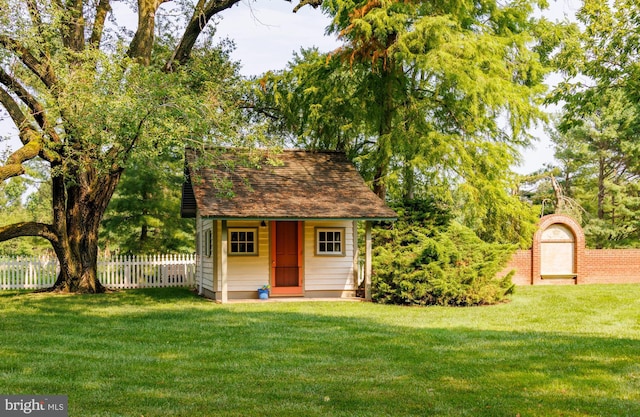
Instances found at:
x=552 y=351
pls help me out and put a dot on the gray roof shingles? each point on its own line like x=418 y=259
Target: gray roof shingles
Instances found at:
x=298 y=185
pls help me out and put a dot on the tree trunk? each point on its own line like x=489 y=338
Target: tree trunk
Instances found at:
x=559 y=195
x=385 y=129
x=78 y=211
x=601 y=189
x=408 y=182
x=79 y=269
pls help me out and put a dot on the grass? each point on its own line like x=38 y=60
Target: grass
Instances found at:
x=552 y=351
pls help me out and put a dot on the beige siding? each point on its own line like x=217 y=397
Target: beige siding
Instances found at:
x=324 y=273
x=198 y=254
x=249 y=272
x=204 y=265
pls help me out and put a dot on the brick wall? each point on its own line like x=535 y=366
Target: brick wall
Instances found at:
x=592 y=266
x=611 y=266
x=521 y=263
x=599 y=266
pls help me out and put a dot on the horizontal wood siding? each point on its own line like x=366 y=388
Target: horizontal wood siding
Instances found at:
x=249 y=272
x=327 y=273
x=205 y=270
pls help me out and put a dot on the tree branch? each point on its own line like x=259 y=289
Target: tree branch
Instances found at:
x=43 y=71
x=27 y=133
x=312 y=3
x=35 y=14
x=15 y=230
x=13 y=167
x=112 y=154
x=103 y=8
x=142 y=42
x=73 y=35
x=37 y=110
x=201 y=15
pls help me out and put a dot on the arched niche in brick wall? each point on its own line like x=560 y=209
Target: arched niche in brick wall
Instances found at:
x=558 y=250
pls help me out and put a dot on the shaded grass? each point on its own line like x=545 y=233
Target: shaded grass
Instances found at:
x=552 y=351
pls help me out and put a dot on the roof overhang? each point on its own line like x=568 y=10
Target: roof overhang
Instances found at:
x=237 y=184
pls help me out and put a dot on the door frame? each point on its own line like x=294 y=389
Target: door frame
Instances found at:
x=287 y=291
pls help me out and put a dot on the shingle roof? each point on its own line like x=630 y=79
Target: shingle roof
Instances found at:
x=298 y=185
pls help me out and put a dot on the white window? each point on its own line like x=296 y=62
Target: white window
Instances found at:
x=243 y=241
x=207 y=243
x=330 y=241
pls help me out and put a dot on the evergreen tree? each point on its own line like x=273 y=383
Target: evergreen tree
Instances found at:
x=601 y=172
x=600 y=94
x=144 y=213
x=425 y=259
x=423 y=97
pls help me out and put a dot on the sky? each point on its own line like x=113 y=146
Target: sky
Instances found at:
x=266 y=33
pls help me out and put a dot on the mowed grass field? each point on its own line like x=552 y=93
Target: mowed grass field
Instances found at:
x=551 y=351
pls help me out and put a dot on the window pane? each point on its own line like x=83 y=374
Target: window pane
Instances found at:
x=329 y=241
x=243 y=241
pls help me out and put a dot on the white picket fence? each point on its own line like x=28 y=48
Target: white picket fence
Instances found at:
x=119 y=272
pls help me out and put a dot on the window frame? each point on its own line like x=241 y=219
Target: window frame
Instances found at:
x=207 y=244
x=255 y=241
x=318 y=241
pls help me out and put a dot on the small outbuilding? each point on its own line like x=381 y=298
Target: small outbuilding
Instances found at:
x=287 y=220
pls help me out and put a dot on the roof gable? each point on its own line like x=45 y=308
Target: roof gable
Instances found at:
x=293 y=184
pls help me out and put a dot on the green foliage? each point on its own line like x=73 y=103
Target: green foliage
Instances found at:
x=596 y=143
x=144 y=213
x=90 y=99
x=424 y=259
x=25 y=199
x=426 y=98
x=600 y=168
x=114 y=112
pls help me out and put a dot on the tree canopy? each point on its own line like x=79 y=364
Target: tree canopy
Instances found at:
x=86 y=94
x=596 y=140
x=429 y=98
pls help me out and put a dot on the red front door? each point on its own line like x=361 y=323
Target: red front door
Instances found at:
x=286 y=258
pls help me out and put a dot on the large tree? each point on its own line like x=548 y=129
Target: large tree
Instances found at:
x=599 y=173
x=600 y=123
x=424 y=96
x=86 y=93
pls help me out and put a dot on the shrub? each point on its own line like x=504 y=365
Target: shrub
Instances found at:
x=423 y=260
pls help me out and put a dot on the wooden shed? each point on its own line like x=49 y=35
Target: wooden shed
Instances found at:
x=288 y=220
